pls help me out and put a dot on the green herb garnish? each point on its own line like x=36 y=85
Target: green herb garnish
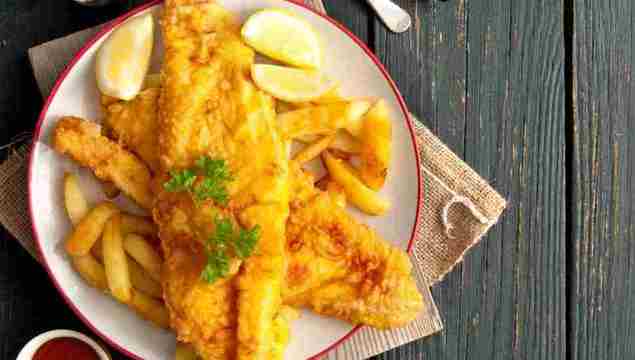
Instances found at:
x=246 y=241
x=217 y=266
x=212 y=175
x=226 y=238
x=214 y=168
x=180 y=181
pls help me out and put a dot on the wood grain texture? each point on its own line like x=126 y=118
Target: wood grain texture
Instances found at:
x=354 y=15
x=601 y=305
x=489 y=78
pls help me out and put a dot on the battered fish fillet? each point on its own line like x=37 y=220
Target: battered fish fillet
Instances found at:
x=202 y=314
x=134 y=124
x=83 y=142
x=339 y=267
x=209 y=106
x=325 y=272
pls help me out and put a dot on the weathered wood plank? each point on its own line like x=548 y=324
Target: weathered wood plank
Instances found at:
x=507 y=301
x=538 y=117
x=432 y=78
x=487 y=281
x=450 y=99
x=409 y=57
x=601 y=307
x=352 y=14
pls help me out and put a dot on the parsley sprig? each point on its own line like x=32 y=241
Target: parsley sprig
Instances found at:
x=208 y=180
x=214 y=175
x=224 y=240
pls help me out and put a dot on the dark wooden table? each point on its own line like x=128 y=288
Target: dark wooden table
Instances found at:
x=536 y=95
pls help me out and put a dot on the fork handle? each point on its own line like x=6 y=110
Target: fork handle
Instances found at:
x=395 y=18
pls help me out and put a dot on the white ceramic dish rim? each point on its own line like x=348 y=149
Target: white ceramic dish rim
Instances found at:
x=113 y=24
x=34 y=344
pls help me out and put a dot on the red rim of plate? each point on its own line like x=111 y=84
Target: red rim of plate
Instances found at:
x=111 y=25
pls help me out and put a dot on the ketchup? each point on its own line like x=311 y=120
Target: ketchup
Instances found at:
x=65 y=348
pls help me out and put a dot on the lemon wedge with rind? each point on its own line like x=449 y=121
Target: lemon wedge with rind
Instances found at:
x=283 y=36
x=291 y=84
x=124 y=57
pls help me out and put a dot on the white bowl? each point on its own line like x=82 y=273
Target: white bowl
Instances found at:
x=75 y=93
x=32 y=346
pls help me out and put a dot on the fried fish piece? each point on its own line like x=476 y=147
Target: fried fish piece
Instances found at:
x=209 y=106
x=200 y=95
x=83 y=142
x=339 y=267
x=201 y=313
x=280 y=337
x=133 y=124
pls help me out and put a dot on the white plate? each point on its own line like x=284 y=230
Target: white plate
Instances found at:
x=75 y=93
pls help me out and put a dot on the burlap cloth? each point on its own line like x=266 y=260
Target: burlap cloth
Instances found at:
x=458 y=207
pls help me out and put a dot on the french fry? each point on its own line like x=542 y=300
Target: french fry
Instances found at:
x=98 y=251
x=322 y=119
x=138 y=277
x=343 y=141
x=141 y=250
x=330 y=96
x=74 y=200
x=137 y=225
x=322 y=182
x=115 y=261
x=185 y=352
x=354 y=124
x=337 y=193
x=109 y=189
x=91 y=271
x=313 y=150
x=335 y=190
x=142 y=281
x=339 y=154
x=299 y=105
x=283 y=106
x=376 y=139
x=152 y=81
x=149 y=308
x=89 y=229
x=359 y=194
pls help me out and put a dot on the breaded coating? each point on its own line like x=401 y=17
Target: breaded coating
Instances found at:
x=209 y=106
x=339 y=267
x=134 y=124
x=83 y=142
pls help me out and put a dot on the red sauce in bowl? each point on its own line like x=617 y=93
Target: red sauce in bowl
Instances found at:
x=65 y=348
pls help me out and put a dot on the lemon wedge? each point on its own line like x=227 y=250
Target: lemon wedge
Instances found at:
x=283 y=36
x=124 y=57
x=290 y=84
